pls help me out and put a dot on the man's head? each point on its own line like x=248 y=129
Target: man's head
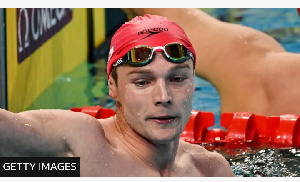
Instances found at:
x=150 y=30
x=154 y=62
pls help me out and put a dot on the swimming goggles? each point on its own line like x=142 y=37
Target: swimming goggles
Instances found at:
x=143 y=54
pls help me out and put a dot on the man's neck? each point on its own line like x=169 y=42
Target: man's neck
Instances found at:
x=160 y=157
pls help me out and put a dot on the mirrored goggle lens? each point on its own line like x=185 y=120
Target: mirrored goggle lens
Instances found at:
x=140 y=54
x=176 y=52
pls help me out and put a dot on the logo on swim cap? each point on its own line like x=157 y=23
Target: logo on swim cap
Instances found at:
x=152 y=31
x=111 y=51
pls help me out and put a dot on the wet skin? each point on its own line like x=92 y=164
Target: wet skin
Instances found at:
x=154 y=103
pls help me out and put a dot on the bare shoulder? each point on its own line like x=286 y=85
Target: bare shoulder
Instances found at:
x=58 y=117
x=208 y=163
x=64 y=123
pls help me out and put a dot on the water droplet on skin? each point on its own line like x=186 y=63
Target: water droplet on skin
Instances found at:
x=185 y=150
x=64 y=138
x=16 y=119
x=105 y=164
x=96 y=160
x=102 y=145
x=26 y=126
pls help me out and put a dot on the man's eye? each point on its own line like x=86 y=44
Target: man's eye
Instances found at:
x=178 y=79
x=141 y=83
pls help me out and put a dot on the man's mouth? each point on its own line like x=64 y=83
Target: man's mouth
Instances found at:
x=163 y=119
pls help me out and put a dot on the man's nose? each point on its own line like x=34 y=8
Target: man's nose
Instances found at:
x=161 y=94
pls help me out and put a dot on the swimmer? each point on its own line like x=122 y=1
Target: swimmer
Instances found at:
x=250 y=70
x=153 y=88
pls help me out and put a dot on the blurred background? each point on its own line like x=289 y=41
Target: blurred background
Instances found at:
x=56 y=59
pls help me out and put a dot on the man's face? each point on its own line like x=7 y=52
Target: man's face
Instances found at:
x=156 y=99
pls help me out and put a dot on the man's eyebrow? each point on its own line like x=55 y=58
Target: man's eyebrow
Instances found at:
x=140 y=71
x=180 y=66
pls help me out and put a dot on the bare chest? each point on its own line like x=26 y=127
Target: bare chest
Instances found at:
x=120 y=165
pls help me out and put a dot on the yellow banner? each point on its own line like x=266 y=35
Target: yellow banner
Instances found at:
x=99 y=25
x=60 y=54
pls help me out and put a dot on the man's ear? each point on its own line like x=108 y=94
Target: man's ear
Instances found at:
x=112 y=87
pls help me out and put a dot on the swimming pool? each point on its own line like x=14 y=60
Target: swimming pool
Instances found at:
x=284 y=26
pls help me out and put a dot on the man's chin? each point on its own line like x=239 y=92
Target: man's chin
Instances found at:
x=165 y=138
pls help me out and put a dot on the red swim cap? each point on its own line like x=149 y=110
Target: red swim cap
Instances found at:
x=151 y=30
